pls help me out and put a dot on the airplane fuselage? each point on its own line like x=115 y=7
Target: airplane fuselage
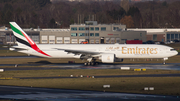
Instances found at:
x=120 y=50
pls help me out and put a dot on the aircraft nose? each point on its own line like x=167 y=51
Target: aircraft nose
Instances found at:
x=176 y=52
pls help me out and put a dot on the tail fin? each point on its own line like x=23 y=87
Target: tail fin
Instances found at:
x=23 y=39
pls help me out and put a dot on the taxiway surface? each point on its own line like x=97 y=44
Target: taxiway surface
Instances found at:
x=43 y=94
x=168 y=66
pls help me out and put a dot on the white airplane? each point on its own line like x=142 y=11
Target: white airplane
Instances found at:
x=107 y=53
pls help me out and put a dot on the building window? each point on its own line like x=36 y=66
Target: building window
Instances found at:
x=112 y=40
x=117 y=40
x=51 y=39
x=97 y=41
x=74 y=28
x=115 y=28
x=91 y=34
x=81 y=28
x=81 y=34
x=10 y=38
x=73 y=34
x=66 y=39
x=74 y=41
x=81 y=40
x=168 y=37
x=35 y=38
x=176 y=36
x=155 y=37
x=172 y=36
x=123 y=41
x=96 y=34
x=103 y=28
x=96 y=28
x=91 y=28
x=44 y=39
x=92 y=41
x=107 y=40
x=59 y=40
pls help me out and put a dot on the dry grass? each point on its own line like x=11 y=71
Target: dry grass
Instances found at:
x=11 y=53
x=162 y=85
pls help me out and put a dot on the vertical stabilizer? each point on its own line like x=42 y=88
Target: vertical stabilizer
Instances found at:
x=23 y=40
x=21 y=37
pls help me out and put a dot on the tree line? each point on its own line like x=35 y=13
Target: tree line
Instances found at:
x=43 y=13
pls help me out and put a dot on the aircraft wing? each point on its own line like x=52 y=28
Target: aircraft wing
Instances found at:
x=77 y=52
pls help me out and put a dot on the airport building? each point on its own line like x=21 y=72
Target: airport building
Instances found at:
x=161 y=35
x=91 y=31
x=7 y=37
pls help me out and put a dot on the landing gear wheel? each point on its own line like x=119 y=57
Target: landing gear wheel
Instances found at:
x=96 y=63
x=85 y=64
x=92 y=63
x=89 y=63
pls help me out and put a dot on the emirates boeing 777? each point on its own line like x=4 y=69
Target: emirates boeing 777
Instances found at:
x=107 y=53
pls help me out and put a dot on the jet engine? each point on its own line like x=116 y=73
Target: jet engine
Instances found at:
x=110 y=58
x=107 y=58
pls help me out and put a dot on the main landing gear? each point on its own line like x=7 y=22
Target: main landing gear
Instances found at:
x=91 y=62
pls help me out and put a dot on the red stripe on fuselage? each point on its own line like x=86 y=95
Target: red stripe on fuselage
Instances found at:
x=34 y=46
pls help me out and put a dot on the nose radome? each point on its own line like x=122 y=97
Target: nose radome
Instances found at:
x=176 y=52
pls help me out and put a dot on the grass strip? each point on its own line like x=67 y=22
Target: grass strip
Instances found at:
x=162 y=85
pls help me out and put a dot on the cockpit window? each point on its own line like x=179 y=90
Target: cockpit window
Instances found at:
x=172 y=50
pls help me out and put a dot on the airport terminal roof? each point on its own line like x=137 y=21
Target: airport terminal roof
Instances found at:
x=156 y=30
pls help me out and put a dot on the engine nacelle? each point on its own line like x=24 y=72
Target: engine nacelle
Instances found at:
x=107 y=58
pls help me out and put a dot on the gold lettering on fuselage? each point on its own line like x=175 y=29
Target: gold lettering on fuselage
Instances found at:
x=123 y=49
x=137 y=50
x=131 y=51
x=112 y=48
x=155 y=51
x=151 y=51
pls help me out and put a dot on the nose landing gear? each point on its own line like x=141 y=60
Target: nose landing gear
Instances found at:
x=164 y=60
